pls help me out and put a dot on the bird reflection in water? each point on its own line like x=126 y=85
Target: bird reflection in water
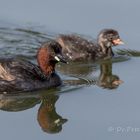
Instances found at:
x=49 y=120
x=85 y=75
x=47 y=117
x=106 y=78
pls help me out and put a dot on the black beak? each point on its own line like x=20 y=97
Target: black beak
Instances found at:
x=60 y=58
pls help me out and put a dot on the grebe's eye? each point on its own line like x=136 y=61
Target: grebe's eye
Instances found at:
x=56 y=49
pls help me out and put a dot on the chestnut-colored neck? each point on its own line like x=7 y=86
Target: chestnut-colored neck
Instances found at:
x=43 y=58
x=44 y=113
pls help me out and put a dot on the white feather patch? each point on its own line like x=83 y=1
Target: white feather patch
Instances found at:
x=5 y=75
x=56 y=58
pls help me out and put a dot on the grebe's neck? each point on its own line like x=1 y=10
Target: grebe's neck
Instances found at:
x=43 y=58
x=102 y=48
x=105 y=49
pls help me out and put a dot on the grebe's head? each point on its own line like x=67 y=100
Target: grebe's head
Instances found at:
x=48 y=55
x=109 y=38
x=55 y=52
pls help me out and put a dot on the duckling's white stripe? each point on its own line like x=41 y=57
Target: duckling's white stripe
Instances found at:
x=5 y=75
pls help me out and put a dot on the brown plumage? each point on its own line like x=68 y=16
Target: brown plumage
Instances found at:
x=20 y=75
x=75 y=47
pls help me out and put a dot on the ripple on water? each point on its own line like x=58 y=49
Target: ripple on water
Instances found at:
x=18 y=41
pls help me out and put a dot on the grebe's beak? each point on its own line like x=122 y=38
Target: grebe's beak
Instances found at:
x=118 y=42
x=60 y=58
x=117 y=82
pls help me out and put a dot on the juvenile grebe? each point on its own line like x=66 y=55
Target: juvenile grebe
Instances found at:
x=74 y=47
x=20 y=75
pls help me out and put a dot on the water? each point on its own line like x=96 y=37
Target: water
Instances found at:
x=90 y=105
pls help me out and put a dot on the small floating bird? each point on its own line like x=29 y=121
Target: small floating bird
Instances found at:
x=74 y=47
x=21 y=75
